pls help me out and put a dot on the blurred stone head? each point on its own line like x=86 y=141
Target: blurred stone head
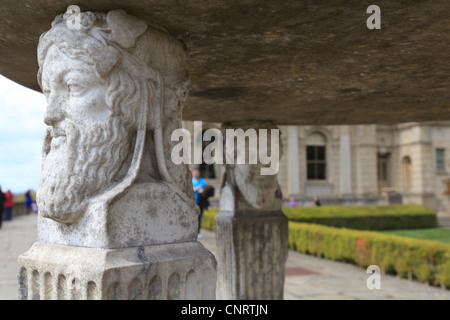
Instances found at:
x=258 y=190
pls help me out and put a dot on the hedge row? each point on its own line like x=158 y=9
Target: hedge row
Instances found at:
x=424 y=260
x=389 y=217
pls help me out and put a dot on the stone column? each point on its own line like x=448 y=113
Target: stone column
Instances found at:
x=293 y=161
x=366 y=160
x=251 y=230
x=345 y=161
x=117 y=218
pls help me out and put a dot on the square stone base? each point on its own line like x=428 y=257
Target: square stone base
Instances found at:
x=252 y=250
x=184 y=270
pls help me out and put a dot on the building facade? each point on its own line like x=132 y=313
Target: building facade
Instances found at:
x=359 y=164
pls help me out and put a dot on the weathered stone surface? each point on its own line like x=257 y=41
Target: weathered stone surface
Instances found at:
x=245 y=187
x=170 y=271
x=112 y=105
x=251 y=230
x=148 y=214
x=298 y=62
x=251 y=250
x=115 y=89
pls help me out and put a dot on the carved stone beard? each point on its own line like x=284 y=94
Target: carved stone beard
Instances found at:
x=78 y=166
x=257 y=190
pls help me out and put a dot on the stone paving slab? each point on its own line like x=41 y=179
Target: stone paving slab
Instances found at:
x=319 y=279
x=16 y=237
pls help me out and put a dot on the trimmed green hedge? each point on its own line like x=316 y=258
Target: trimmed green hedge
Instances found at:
x=424 y=260
x=389 y=217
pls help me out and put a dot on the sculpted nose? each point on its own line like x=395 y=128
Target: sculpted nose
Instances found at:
x=54 y=112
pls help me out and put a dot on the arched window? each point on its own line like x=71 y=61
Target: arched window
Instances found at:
x=316 y=160
x=407 y=173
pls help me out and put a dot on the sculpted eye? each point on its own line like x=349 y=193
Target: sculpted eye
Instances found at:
x=75 y=88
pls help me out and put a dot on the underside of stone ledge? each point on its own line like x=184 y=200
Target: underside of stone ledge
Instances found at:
x=294 y=62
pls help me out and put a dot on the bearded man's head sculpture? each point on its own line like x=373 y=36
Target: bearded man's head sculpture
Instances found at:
x=106 y=83
x=251 y=190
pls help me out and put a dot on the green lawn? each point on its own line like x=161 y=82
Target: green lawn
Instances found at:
x=436 y=234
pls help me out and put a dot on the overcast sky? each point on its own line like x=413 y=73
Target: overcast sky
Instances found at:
x=21 y=134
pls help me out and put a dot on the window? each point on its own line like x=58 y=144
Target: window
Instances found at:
x=207 y=171
x=383 y=161
x=440 y=159
x=316 y=157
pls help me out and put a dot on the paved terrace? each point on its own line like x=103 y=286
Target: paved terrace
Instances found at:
x=307 y=277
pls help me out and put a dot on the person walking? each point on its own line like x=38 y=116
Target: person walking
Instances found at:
x=8 y=205
x=2 y=199
x=198 y=184
x=28 y=201
x=317 y=202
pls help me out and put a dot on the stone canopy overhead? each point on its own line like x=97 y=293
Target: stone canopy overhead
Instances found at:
x=293 y=62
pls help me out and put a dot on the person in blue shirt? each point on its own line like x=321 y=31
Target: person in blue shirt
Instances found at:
x=28 y=201
x=198 y=183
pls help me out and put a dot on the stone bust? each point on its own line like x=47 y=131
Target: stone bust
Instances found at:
x=243 y=186
x=115 y=89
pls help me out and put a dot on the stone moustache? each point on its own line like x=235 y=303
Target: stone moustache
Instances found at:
x=115 y=89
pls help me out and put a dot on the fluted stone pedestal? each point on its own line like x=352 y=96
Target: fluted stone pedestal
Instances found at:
x=169 y=271
x=251 y=230
x=252 y=253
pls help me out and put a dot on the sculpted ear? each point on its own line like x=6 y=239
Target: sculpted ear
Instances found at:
x=125 y=28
